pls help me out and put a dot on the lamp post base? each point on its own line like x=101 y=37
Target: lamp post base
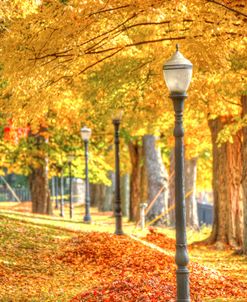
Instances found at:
x=87 y=219
x=120 y=232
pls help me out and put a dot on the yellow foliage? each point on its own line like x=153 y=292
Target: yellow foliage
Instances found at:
x=81 y=61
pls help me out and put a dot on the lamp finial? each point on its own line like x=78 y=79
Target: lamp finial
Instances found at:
x=177 y=47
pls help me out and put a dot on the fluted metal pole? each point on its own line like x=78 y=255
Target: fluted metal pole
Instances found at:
x=70 y=192
x=182 y=258
x=87 y=217
x=56 y=192
x=118 y=210
x=53 y=193
x=61 y=195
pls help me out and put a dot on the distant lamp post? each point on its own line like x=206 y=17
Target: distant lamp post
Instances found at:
x=178 y=74
x=70 y=160
x=85 y=135
x=61 y=192
x=56 y=192
x=116 y=120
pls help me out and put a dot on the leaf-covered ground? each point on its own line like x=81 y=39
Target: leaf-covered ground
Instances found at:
x=226 y=262
x=29 y=270
x=48 y=264
x=131 y=272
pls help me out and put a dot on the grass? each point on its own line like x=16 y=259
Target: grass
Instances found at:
x=28 y=269
x=24 y=249
x=103 y=222
x=29 y=272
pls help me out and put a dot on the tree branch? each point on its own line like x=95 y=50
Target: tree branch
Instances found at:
x=140 y=43
x=108 y=10
x=110 y=31
x=227 y=7
x=147 y=23
x=101 y=60
x=60 y=54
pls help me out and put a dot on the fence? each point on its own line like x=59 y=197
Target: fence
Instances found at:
x=61 y=187
x=22 y=193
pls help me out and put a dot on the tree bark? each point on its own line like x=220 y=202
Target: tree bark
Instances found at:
x=109 y=194
x=39 y=189
x=38 y=178
x=102 y=195
x=125 y=194
x=227 y=173
x=244 y=176
x=93 y=195
x=78 y=190
x=157 y=177
x=136 y=156
x=190 y=193
x=100 y=191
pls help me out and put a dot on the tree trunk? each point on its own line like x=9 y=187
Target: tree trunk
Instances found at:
x=235 y=190
x=38 y=179
x=39 y=189
x=78 y=190
x=156 y=176
x=190 y=193
x=227 y=166
x=144 y=182
x=125 y=194
x=135 y=151
x=171 y=196
x=109 y=194
x=244 y=176
x=93 y=198
x=100 y=191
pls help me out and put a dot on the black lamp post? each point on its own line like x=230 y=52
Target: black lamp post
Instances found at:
x=117 y=211
x=56 y=192
x=70 y=160
x=85 y=135
x=61 y=193
x=178 y=74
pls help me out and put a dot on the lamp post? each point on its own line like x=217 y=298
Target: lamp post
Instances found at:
x=117 y=209
x=85 y=135
x=178 y=74
x=70 y=160
x=61 y=193
x=56 y=191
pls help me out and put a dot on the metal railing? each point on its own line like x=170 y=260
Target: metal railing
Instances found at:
x=22 y=193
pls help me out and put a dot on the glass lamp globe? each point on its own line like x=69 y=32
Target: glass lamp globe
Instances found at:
x=177 y=73
x=86 y=133
x=117 y=115
x=71 y=157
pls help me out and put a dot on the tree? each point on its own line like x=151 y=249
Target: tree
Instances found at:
x=38 y=178
x=227 y=172
x=190 y=168
x=157 y=177
x=136 y=157
x=244 y=177
x=61 y=43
